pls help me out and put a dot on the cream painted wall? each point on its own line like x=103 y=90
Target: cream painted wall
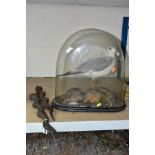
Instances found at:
x=48 y=26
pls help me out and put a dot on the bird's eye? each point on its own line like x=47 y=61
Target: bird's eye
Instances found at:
x=112 y=50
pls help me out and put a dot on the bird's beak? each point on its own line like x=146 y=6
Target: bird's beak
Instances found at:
x=114 y=69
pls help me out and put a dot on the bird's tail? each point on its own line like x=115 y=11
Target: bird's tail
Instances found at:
x=70 y=73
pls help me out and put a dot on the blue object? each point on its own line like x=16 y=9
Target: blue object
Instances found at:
x=124 y=36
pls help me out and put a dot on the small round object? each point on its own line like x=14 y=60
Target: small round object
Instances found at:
x=99 y=104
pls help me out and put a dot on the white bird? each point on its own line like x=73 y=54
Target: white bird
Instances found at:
x=98 y=63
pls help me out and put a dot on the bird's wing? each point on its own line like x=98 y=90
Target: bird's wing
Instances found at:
x=96 y=64
x=71 y=73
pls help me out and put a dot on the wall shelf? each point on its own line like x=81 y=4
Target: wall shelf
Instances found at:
x=71 y=121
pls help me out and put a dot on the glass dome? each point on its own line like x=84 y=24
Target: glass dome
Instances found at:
x=90 y=73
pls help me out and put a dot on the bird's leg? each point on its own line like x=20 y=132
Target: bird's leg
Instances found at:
x=94 y=83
